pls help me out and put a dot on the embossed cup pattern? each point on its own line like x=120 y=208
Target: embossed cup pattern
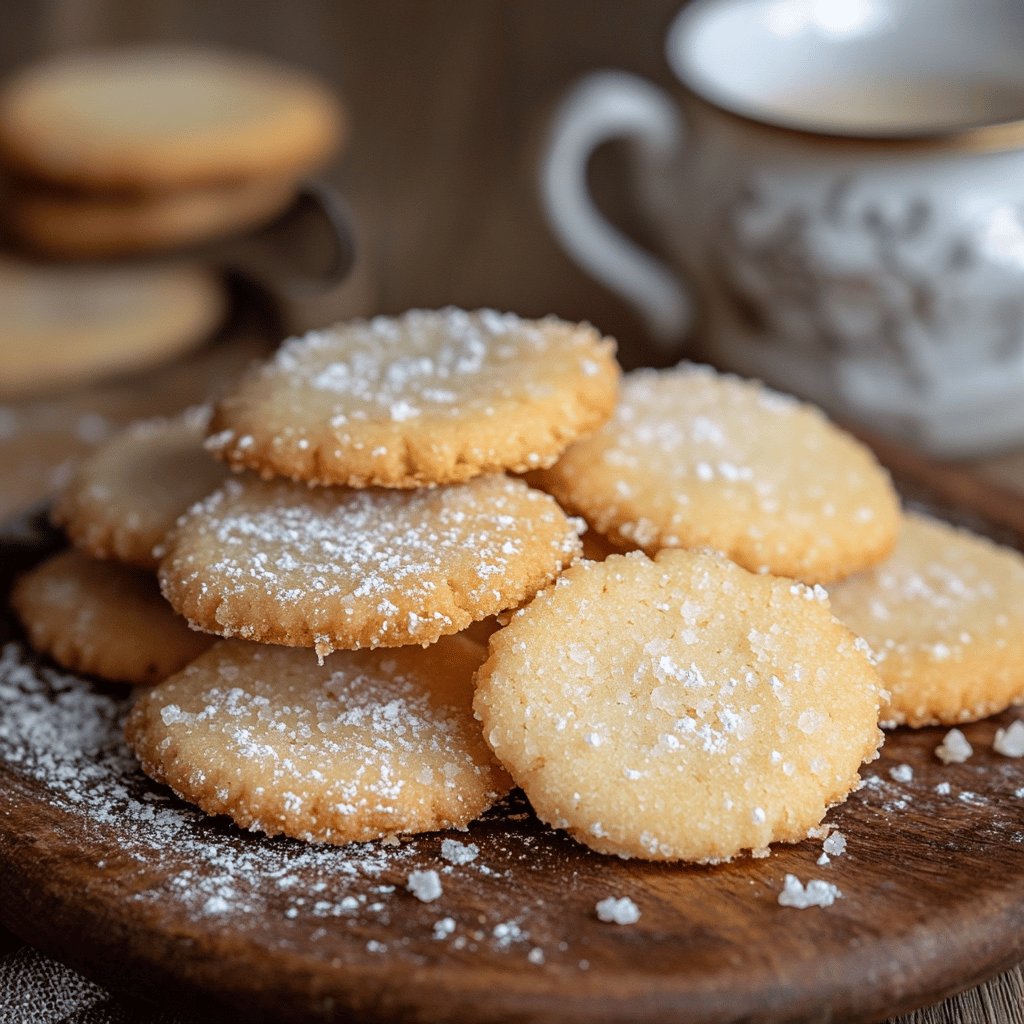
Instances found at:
x=871 y=260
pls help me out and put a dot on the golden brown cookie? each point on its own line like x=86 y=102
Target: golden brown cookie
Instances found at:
x=695 y=459
x=85 y=226
x=427 y=397
x=681 y=708
x=156 y=118
x=105 y=619
x=126 y=495
x=64 y=325
x=335 y=568
x=944 y=616
x=371 y=744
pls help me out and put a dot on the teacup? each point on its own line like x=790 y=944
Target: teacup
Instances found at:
x=842 y=189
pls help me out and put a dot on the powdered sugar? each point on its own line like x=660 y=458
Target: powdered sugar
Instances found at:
x=365 y=567
x=429 y=362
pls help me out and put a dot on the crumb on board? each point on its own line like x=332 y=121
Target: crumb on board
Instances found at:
x=954 y=748
x=817 y=893
x=424 y=885
x=617 y=910
x=1010 y=741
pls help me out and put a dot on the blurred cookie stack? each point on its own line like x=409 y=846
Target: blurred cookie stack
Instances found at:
x=123 y=169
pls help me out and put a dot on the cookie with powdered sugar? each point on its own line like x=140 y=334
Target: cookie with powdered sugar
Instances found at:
x=334 y=568
x=944 y=616
x=370 y=744
x=105 y=619
x=696 y=459
x=679 y=708
x=428 y=397
x=125 y=496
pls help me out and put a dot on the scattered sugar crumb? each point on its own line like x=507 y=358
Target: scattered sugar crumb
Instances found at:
x=617 y=911
x=943 y=789
x=1010 y=741
x=835 y=844
x=902 y=773
x=817 y=893
x=424 y=885
x=954 y=748
x=444 y=927
x=536 y=955
x=458 y=853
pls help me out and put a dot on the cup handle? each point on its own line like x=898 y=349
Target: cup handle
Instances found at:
x=602 y=106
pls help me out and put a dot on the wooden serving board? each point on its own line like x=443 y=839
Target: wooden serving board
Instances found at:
x=106 y=870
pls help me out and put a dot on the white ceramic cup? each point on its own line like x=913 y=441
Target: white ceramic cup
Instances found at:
x=841 y=186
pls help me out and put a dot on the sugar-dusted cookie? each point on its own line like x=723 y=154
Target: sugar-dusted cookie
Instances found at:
x=681 y=708
x=334 y=568
x=152 y=118
x=64 y=325
x=126 y=495
x=693 y=458
x=82 y=225
x=103 y=618
x=371 y=744
x=427 y=397
x=944 y=616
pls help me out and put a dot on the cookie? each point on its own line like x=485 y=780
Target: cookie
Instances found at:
x=105 y=619
x=679 y=708
x=371 y=744
x=61 y=326
x=85 y=226
x=428 y=397
x=158 y=118
x=944 y=616
x=125 y=496
x=695 y=459
x=335 y=568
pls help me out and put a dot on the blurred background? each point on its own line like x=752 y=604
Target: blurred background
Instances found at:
x=446 y=108
x=446 y=105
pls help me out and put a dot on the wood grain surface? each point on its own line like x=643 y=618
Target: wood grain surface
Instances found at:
x=123 y=881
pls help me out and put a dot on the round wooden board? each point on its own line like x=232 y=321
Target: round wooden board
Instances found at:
x=110 y=872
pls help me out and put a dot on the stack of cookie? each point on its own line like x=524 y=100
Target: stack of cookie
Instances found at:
x=114 y=153
x=117 y=154
x=690 y=699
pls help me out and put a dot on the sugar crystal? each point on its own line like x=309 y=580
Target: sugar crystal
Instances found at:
x=954 y=748
x=817 y=893
x=1010 y=741
x=424 y=885
x=617 y=911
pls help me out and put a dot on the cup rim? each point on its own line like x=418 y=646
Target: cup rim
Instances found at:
x=991 y=134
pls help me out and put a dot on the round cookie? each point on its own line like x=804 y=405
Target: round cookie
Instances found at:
x=335 y=568
x=370 y=744
x=156 y=118
x=944 y=616
x=427 y=397
x=695 y=459
x=681 y=708
x=64 y=325
x=84 y=226
x=104 y=619
x=126 y=495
